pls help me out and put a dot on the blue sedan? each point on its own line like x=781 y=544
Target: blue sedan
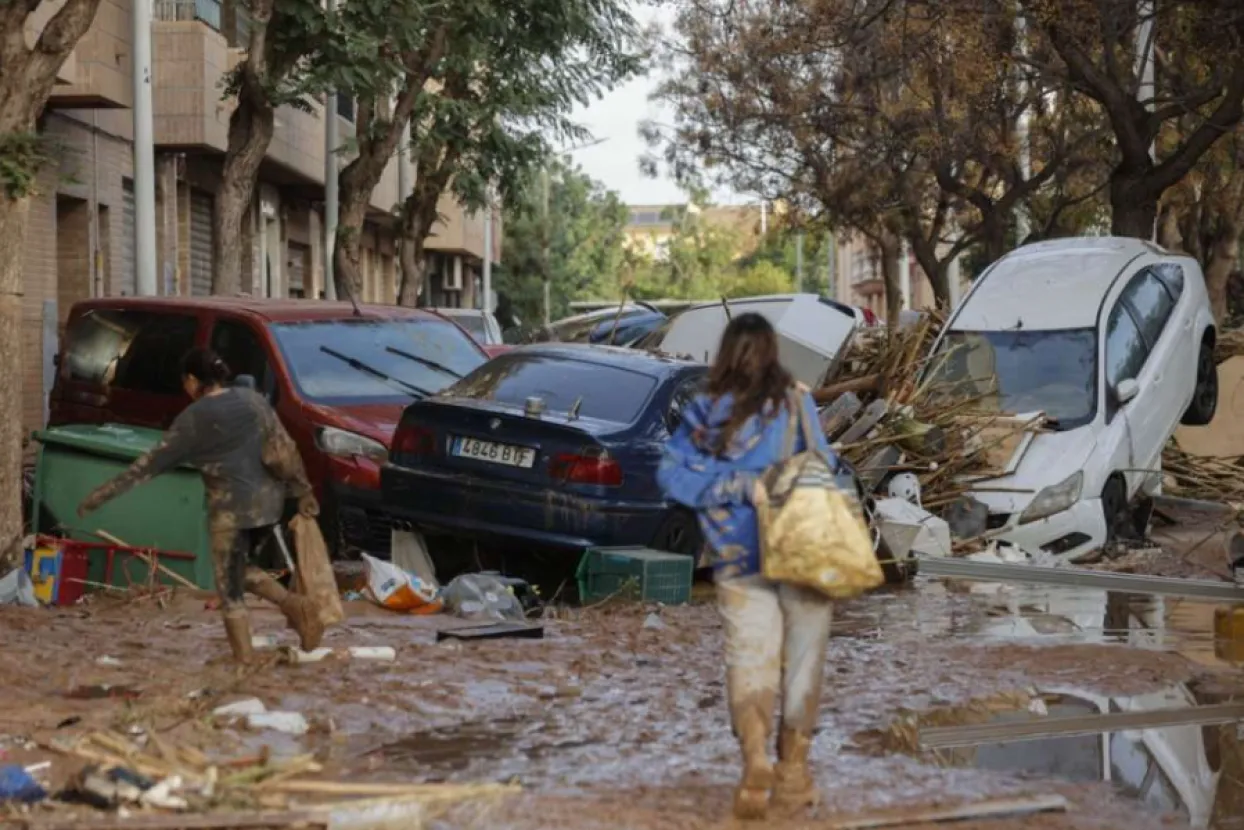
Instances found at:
x=551 y=446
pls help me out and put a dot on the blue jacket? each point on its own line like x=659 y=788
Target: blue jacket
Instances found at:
x=719 y=487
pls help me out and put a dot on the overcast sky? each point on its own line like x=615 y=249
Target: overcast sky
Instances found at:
x=616 y=118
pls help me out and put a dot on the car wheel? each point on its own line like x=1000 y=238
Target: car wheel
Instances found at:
x=1114 y=505
x=679 y=533
x=1205 y=396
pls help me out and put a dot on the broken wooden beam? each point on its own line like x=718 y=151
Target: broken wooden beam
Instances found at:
x=830 y=393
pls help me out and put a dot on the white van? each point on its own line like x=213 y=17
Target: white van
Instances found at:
x=1113 y=340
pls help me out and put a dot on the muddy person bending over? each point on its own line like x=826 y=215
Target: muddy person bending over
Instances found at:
x=776 y=635
x=248 y=462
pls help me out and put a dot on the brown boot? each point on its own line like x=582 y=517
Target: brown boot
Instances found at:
x=238 y=630
x=793 y=787
x=751 y=799
x=303 y=617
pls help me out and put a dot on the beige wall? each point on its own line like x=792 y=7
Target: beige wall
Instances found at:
x=99 y=68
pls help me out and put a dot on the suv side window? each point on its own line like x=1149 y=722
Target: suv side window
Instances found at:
x=1150 y=302
x=149 y=353
x=240 y=347
x=1125 y=347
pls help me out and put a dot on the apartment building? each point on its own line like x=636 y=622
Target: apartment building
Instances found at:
x=650 y=227
x=80 y=242
x=860 y=281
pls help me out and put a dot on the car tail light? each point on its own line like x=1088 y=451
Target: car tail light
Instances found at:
x=411 y=439
x=586 y=469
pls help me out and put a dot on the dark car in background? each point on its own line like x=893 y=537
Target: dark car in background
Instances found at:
x=613 y=326
x=338 y=378
x=551 y=446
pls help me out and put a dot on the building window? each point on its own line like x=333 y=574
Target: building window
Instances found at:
x=345 y=106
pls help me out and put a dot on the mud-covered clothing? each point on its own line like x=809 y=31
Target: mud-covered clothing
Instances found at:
x=776 y=638
x=248 y=461
x=718 y=486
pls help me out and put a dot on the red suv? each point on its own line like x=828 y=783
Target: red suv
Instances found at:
x=339 y=379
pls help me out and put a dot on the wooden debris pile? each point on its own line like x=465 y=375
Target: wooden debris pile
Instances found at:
x=1202 y=477
x=884 y=417
x=148 y=775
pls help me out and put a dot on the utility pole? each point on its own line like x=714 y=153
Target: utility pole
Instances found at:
x=331 y=203
x=799 y=263
x=548 y=293
x=144 y=154
x=487 y=304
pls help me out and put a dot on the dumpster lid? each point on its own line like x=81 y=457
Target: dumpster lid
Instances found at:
x=104 y=439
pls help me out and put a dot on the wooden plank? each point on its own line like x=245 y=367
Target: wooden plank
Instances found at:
x=949 y=737
x=873 y=413
x=994 y=808
x=215 y=821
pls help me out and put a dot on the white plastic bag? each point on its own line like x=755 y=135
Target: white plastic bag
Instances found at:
x=482 y=597
x=391 y=587
x=17 y=589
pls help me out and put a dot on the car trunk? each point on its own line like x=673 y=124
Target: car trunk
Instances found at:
x=503 y=444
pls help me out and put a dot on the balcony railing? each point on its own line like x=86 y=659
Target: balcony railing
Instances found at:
x=205 y=11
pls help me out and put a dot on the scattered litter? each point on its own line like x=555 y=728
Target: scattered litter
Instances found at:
x=393 y=588
x=1037 y=707
x=495 y=631
x=17 y=589
x=240 y=708
x=291 y=723
x=263 y=641
x=908 y=528
x=17 y=784
x=100 y=691
x=293 y=654
x=653 y=622
x=111 y=662
x=110 y=787
x=482 y=597
x=373 y=652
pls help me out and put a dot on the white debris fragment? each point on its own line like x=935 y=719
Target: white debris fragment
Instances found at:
x=241 y=708
x=653 y=622
x=107 y=661
x=1037 y=707
x=291 y=723
x=373 y=652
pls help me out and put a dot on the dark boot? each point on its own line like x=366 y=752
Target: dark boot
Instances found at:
x=793 y=787
x=751 y=799
x=238 y=630
x=304 y=618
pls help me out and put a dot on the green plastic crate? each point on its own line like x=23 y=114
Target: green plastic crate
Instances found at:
x=661 y=577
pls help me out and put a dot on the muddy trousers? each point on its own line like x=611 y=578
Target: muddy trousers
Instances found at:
x=776 y=638
x=235 y=575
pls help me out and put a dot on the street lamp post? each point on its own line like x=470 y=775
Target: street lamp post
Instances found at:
x=547 y=227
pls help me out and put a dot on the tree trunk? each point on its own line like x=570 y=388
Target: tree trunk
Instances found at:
x=348 y=251
x=1169 y=235
x=891 y=250
x=13 y=214
x=251 y=127
x=1222 y=258
x=1132 y=212
x=414 y=268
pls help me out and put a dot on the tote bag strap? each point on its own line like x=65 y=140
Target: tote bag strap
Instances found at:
x=793 y=422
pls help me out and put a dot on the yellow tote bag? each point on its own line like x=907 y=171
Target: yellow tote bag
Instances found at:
x=812 y=533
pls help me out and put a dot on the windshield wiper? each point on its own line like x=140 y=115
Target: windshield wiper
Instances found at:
x=355 y=363
x=431 y=364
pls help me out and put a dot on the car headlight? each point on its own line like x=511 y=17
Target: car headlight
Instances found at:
x=344 y=444
x=1054 y=499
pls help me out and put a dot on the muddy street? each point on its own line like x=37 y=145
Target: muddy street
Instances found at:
x=617 y=718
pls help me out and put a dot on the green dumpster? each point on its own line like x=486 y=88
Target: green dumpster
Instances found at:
x=167 y=513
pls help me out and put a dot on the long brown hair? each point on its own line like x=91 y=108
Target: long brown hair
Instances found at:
x=747 y=368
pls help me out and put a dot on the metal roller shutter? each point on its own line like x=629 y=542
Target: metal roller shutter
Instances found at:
x=128 y=283
x=201 y=243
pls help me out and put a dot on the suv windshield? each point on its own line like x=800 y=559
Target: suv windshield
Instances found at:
x=603 y=392
x=1019 y=372
x=357 y=361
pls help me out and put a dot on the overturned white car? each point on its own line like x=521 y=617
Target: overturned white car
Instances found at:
x=1112 y=339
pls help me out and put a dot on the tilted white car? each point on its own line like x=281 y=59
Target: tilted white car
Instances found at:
x=1113 y=340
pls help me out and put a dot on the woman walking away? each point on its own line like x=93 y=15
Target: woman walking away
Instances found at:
x=248 y=462
x=776 y=634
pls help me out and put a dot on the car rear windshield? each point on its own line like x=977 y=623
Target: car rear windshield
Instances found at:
x=359 y=361
x=473 y=323
x=603 y=392
x=1019 y=372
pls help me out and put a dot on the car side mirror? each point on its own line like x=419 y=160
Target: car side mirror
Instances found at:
x=1126 y=390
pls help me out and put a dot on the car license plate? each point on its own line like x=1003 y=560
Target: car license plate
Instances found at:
x=506 y=454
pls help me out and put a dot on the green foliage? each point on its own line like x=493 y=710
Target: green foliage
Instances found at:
x=585 y=232
x=21 y=157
